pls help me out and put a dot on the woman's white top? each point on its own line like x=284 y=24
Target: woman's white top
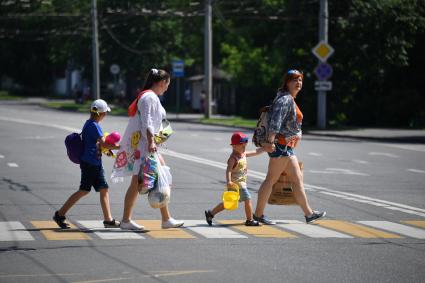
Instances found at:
x=134 y=144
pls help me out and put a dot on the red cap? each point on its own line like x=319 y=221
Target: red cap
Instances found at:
x=239 y=138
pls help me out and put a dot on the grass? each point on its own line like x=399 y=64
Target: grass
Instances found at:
x=4 y=95
x=231 y=121
x=71 y=106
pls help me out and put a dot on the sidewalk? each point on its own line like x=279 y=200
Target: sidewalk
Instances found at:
x=376 y=134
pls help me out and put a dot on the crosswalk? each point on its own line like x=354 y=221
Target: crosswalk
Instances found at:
x=15 y=231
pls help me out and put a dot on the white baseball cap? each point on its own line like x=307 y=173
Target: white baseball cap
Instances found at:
x=99 y=106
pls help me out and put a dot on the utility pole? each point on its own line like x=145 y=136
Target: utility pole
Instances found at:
x=323 y=36
x=208 y=58
x=95 y=47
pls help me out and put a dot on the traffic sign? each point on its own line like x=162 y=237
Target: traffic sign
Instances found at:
x=322 y=85
x=323 y=51
x=323 y=71
x=178 y=68
x=115 y=69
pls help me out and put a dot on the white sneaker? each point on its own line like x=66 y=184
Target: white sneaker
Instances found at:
x=131 y=225
x=172 y=223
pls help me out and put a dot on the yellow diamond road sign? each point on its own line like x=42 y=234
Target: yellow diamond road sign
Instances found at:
x=323 y=51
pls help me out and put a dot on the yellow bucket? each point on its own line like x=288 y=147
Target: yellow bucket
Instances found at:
x=231 y=197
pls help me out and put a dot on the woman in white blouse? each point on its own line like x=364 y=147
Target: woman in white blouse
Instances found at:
x=146 y=115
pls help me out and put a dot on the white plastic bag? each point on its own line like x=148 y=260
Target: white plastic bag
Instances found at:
x=160 y=195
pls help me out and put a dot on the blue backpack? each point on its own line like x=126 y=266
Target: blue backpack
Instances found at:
x=74 y=147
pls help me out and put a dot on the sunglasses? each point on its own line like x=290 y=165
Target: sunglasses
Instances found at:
x=294 y=72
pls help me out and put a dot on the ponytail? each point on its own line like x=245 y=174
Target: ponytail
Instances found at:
x=155 y=76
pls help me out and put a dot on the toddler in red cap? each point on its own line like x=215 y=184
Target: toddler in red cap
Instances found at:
x=236 y=173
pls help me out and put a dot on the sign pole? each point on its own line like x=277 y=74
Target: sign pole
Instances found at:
x=323 y=36
x=178 y=98
x=95 y=47
x=208 y=58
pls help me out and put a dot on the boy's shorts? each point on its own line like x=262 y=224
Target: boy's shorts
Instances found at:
x=244 y=194
x=92 y=176
x=282 y=150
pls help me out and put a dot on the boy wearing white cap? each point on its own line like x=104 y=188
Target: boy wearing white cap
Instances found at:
x=92 y=173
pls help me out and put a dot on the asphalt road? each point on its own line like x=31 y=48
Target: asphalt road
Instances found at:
x=361 y=185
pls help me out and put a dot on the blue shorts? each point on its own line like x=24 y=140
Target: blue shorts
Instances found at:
x=282 y=150
x=92 y=176
x=244 y=194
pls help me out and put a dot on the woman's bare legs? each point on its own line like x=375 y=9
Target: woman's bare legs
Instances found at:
x=294 y=172
x=276 y=167
x=130 y=199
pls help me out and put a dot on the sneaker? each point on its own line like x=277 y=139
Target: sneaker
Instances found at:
x=172 y=223
x=264 y=219
x=209 y=217
x=111 y=224
x=316 y=215
x=131 y=225
x=252 y=223
x=60 y=220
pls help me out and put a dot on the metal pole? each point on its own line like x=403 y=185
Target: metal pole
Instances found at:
x=208 y=57
x=95 y=47
x=178 y=98
x=323 y=36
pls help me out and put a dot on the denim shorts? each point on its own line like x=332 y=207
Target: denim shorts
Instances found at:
x=282 y=150
x=244 y=194
x=92 y=176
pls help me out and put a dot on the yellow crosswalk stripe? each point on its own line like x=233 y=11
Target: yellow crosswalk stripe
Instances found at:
x=263 y=231
x=50 y=231
x=155 y=230
x=356 y=230
x=417 y=223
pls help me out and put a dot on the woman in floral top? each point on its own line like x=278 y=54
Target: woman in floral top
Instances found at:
x=284 y=135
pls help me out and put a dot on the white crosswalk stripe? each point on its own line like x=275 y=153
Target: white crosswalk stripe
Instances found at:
x=14 y=231
x=200 y=227
x=309 y=230
x=109 y=233
x=396 y=228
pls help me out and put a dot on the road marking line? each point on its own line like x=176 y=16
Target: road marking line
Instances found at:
x=372 y=201
x=356 y=230
x=50 y=231
x=202 y=228
x=315 y=154
x=414 y=147
x=14 y=231
x=1 y=156
x=12 y=164
x=97 y=227
x=68 y=129
x=360 y=161
x=263 y=231
x=310 y=230
x=155 y=230
x=396 y=228
x=415 y=170
x=384 y=154
x=338 y=171
x=417 y=223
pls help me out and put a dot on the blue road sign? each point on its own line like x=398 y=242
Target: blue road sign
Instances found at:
x=323 y=71
x=178 y=68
